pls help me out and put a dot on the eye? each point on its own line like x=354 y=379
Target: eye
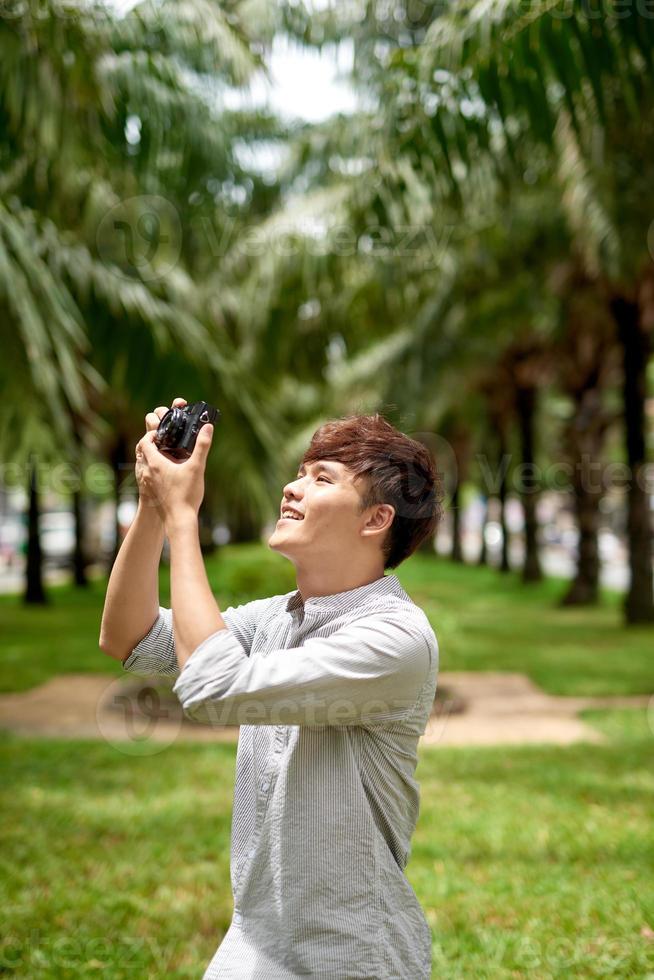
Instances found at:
x=325 y=479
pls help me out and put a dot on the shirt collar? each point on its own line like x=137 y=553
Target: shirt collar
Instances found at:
x=386 y=585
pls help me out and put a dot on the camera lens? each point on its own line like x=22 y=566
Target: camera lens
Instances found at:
x=170 y=428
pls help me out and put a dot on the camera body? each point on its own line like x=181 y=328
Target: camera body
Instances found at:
x=178 y=429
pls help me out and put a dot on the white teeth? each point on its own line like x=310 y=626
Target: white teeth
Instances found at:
x=291 y=515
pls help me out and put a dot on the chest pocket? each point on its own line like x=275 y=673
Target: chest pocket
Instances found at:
x=271 y=637
x=260 y=643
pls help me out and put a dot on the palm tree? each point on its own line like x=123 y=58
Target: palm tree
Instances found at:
x=504 y=80
x=529 y=367
x=481 y=96
x=112 y=155
x=588 y=368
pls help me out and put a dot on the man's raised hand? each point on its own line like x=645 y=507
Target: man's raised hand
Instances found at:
x=152 y=420
x=175 y=487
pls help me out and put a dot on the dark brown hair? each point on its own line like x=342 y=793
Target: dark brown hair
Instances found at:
x=396 y=470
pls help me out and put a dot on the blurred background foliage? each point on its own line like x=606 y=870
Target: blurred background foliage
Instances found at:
x=469 y=251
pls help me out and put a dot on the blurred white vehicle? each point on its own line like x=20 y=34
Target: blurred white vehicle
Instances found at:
x=12 y=539
x=58 y=538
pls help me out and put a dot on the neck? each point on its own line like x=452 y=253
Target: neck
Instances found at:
x=313 y=581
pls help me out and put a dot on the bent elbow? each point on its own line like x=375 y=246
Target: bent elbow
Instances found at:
x=111 y=650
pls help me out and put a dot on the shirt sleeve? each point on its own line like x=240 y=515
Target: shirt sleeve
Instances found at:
x=155 y=653
x=370 y=671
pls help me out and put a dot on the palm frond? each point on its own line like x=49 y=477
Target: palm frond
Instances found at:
x=44 y=313
x=597 y=238
x=201 y=34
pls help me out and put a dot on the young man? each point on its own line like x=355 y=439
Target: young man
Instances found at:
x=332 y=685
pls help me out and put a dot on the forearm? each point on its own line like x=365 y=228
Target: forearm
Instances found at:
x=132 y=600
x=195 y=611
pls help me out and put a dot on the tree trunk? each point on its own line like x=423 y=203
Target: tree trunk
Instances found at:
x=584 y=590
x=119 y=466
x=639 y=601
x=34 y=591
x=505 y=565
x=525 y=407
x=585 y=438
x=426 y=547
x=483 y=556
x=460 y=440
x=456 y=551
x=205 y=527
x=243 y=528
x=79 y=557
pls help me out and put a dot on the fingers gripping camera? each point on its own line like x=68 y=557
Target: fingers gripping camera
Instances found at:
x=178 y=429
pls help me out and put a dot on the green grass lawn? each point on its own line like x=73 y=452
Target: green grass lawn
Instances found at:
x=531 y=862
x=483 y=621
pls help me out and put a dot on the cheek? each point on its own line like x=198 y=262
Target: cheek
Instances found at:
x=336 y=513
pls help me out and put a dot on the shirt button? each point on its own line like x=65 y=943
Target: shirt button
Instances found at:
x=252 y=852
x=237 y=917
x=265 y=786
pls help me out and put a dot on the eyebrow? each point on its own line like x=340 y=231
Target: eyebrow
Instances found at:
x=321 y=466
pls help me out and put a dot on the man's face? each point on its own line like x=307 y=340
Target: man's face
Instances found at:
x=326 y=514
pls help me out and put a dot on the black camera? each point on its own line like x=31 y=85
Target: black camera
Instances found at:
x=179 y=428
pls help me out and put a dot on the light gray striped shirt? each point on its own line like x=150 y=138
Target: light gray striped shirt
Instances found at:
x=332 y=696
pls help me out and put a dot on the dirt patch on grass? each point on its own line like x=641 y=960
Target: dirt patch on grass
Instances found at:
x=471 y=708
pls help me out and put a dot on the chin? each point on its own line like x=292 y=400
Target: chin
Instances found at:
x=274 y=542
x=277 y=546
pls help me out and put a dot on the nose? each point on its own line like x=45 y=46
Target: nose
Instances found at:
x=293 y=489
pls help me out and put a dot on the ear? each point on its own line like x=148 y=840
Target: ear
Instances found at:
x=379 y=519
